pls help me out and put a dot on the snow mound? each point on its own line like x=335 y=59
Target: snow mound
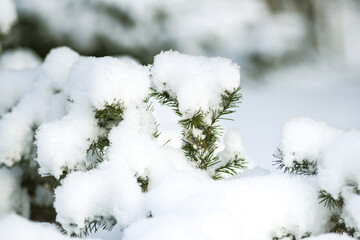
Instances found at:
x=188 y=207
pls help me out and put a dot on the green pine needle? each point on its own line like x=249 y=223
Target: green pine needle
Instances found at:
x=330 y=202
x=202 y=149
x=303 y=167
x=111 y=115
x=143 y=182
x=231 y=167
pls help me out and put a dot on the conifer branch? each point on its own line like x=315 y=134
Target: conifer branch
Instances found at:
x=143 y=182
x=292 y=236
x=330 y=202
x=111 y=115
x=303 y=167
x=164 y=98
x=200 y=138
x=340 y=226
x=98 y=223
x=107 y=118
x=231 y=166
x=98 y=147
x=91 y=226
x=229 y=101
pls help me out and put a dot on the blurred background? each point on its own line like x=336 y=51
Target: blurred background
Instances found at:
x=297 y=57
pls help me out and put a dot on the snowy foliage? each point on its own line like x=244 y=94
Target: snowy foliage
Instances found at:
x=24 y=110
x=155 y=25
x=313 y=148
x=196 y=82
x=97 y=152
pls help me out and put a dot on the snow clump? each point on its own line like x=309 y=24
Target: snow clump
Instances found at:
x=29 y=102
x=196 y=82
x=63 y=141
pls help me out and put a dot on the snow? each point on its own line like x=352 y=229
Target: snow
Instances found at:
x=331 y=236
x=324 y=96
x=233 y=148
x=335 y=152
x=132 y=152
x=28 y=230
x=233 y=144
x=182 y=202
x=28 y=108
x=230 y=209
x=8 y=15
x=56 y=67
x=12 y=197
x=196 y=82
x=19 y=58
x=105 y=79
x=341 y=163
x=305 y=139
x=110 y=191
x=59 y=148
x=91 y=83
x=12 y=91
x=351 y=213
x=122 y=24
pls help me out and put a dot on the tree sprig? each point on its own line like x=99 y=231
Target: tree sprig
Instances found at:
x=303 y=167
x=200 y=138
